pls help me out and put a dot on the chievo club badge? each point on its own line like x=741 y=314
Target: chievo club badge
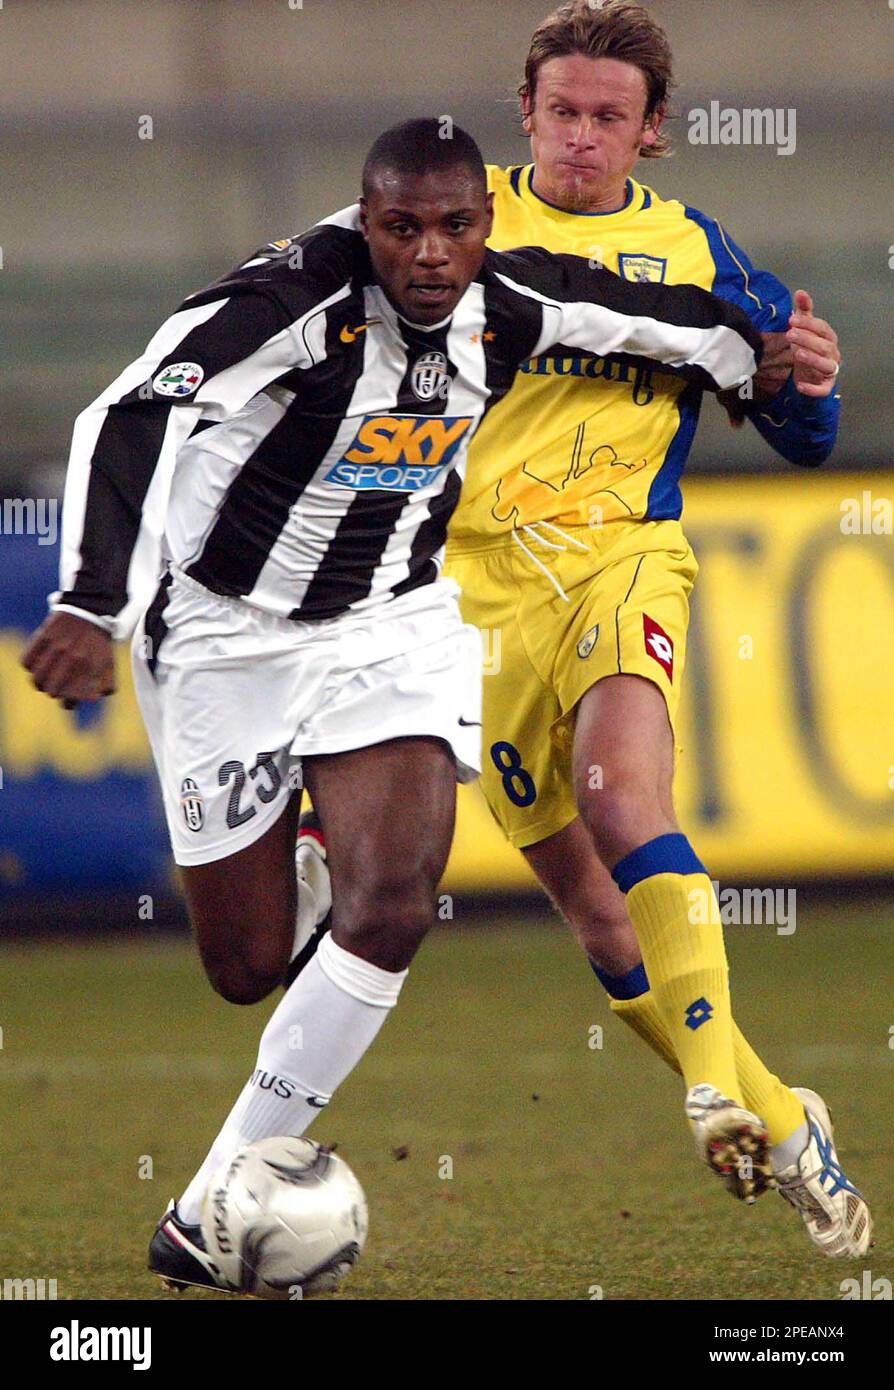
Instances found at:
x=588 y=642
x=180 y=379
x=651 y=269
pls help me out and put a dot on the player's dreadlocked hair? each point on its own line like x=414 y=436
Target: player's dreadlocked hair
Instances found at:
x=421 y=146
x=614 y=29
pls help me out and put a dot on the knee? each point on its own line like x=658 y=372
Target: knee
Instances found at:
x=620 y=819
x=385 y=915
x=243 y=976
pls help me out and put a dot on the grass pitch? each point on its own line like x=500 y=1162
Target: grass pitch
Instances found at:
x=572 y=1168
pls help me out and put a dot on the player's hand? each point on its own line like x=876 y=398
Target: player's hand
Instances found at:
x=814 y=344
x=772 y=374
x=776 y=364
x=71 y=659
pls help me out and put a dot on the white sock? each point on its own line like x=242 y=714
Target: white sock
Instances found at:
x=787 y=1153
x=314 y=1039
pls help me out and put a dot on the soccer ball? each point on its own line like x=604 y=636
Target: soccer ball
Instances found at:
x=284 y=1218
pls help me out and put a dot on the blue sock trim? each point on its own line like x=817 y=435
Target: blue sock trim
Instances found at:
x=629 y=986
x=666 y=854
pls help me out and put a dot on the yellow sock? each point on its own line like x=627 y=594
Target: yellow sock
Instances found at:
x=682 y=944
x=762 y=1092
x=765 y=1094
x=642 y=1016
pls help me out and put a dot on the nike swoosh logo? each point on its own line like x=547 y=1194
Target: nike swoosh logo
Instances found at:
x=350 y=335
x=318 y=1102
x=469 y=723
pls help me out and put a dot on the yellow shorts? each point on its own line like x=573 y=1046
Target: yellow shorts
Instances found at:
x=583 y=604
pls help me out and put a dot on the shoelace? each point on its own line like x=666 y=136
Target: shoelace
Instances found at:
x=532 y=532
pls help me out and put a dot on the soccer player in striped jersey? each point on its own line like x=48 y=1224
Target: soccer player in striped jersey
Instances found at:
x=567 y=542
x=297 y=433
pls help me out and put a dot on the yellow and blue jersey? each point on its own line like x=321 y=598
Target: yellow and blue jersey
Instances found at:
x=584 y=440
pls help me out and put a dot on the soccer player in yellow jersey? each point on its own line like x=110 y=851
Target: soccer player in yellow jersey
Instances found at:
x=567 y=542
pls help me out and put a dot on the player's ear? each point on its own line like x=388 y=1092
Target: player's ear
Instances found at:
x=489 y=214
x=364 y=218
x=527 y=112
x=651 y=130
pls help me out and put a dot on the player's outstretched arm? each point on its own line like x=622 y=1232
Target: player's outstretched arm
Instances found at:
x=684 y=328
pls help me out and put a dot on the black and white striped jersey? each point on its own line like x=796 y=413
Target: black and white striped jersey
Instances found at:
x=288 y=439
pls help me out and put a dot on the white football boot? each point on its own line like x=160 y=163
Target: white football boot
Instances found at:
x=732 y=1141
x=834 y=1212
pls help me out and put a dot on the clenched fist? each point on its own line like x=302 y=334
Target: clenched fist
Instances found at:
x=71 y=659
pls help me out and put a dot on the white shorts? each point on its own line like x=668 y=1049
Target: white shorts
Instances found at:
x=234 y=697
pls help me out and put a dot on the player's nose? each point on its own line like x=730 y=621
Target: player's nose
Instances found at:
x=582 y=134
x=432 y=250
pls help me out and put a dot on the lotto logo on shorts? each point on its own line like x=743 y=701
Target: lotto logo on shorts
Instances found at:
x=399 y=453
x=659 y=645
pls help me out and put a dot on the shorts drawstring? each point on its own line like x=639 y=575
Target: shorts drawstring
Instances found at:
x=550 y=545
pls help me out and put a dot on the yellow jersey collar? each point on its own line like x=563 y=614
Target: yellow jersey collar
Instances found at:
x=634 y=203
